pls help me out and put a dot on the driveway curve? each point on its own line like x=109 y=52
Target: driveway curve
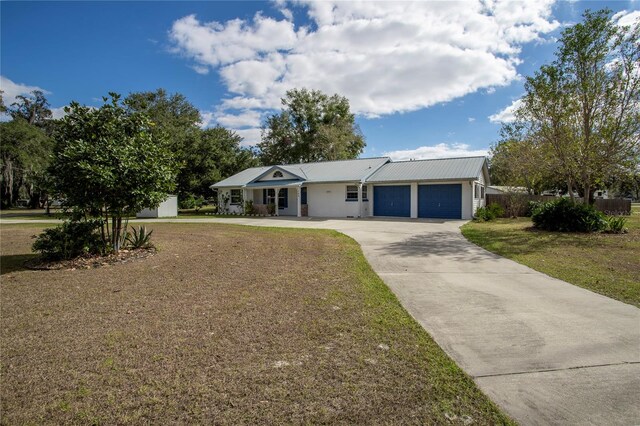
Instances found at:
x=546 y=351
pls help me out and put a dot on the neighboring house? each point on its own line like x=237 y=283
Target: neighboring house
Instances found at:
x=451 y=188
x=497 y=190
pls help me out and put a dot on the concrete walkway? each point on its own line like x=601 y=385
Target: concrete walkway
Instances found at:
x=544 y=350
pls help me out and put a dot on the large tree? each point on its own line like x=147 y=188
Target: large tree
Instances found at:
x=173 y=115
x=519 y=162
x=311 y=127
x=23 y=159
x=214 y=155
x=33 y=108
x=205 y=156
x=583 y=110
x=109 y=164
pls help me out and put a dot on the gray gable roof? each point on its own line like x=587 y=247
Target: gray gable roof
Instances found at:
x=372 y=170
x=437 y=169
x=325 y=171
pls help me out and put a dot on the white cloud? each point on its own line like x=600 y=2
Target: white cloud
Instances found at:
x=441 y=150
x=11 y=90
x=207 y=119
x=507 y=115
x=627 y=18
x=251 y=137
x=385 y=57
x=235 y=121
x=471 y=119
x=57 y=113
x=200 y=69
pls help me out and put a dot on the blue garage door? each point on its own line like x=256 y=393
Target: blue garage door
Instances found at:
x=440 y=201
x=392 y=201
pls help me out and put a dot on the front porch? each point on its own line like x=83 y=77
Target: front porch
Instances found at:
x=290 y=199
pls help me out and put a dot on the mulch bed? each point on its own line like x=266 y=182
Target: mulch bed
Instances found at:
x=91 y=261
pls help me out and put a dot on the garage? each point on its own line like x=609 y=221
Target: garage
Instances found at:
x=392 y=200
x=440 y=201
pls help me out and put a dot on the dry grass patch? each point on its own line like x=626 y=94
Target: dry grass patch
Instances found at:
x=226 y=325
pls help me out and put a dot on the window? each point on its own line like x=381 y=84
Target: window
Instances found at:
x=352 y=193
x=277 y=174
x=268 y=195
x=236 y=196
x=303 y=196
x=476 y=191
x=481 y=191
x=283 y=198
x=364 y=193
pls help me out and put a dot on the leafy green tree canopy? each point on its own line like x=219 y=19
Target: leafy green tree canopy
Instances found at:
x=24 y=158
x=582 y=112
x=172 y=114
x=311 y=127
x=215 y=155
x=109 y=164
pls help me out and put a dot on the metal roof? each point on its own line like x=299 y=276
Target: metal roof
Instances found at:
x=325 y=171
x=436 y=169
x=242 y=178
x=337 y=171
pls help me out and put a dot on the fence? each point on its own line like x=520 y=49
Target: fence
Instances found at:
x=516 y=204
x=614 y=206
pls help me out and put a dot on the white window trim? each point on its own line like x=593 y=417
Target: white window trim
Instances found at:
x=231 y=197
x=347 y=192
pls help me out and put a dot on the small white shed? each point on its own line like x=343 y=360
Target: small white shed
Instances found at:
x=168 y=208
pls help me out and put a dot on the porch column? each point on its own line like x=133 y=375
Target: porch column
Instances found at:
x=277 y=192
x=244 y=200
x=360 y=199
x=299 y=192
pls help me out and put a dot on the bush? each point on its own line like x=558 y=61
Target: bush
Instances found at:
x=490 y=212
x=616 y=225
x=248 y=207
x=69 y=240
x=531 y=206
x=271 y=209
x=190 y=201
x=565 y=215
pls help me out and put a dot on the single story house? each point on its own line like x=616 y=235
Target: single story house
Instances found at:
x=449 y=188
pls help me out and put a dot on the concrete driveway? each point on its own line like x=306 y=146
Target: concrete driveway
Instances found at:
x=544 y=350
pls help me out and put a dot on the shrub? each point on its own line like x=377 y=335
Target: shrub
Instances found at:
x=248 y=207
x=190 y=201
x=139 y=238
x=69 y=240
x=271 y=209
x=531 y=206
x=565 y=215
x=616 y=225
x=490 y=212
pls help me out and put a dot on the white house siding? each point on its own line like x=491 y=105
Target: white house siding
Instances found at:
x=479 y=202
x=328 y=200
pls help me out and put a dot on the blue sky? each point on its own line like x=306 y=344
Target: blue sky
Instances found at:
x=427 y=79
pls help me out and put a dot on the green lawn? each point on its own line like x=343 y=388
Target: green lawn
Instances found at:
x=223 y=325
x=608 y=264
